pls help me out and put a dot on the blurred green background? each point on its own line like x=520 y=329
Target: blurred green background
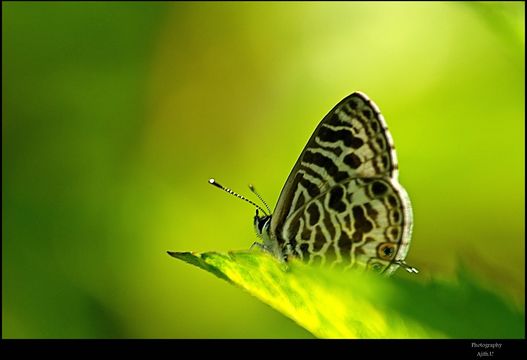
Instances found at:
x=116 y=114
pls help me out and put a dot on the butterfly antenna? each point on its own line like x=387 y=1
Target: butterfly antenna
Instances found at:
x=213 y=182
x=259 y=197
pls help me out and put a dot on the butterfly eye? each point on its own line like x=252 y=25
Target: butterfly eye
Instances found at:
x=261 y=225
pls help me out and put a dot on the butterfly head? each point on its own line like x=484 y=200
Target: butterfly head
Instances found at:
x=262 y=224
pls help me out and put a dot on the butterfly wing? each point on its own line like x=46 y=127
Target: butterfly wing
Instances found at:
x=352 y=141
x=357 y=223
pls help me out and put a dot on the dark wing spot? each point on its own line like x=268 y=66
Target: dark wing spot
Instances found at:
x=332 y=136
x=334 y=119
x=327 y=135
x=312 y=189
x=313 y=214
x=366 y=113
x=347 y=222
x=380 y=143
x=392 y=200
x=396 y=216
x=352 y=161
x=392 y=233
x=345 y=246
x=340 y=176
x=378 y=188
x=375 y=126
x=362 y=224
x=335 y=199
x=300 y=201
x=353 y=104
x=356 y=142
x=324 y=162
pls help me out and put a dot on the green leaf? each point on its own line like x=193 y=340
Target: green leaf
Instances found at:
x=335 y=304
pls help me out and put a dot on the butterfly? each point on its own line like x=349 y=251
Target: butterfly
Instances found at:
x=342 y=204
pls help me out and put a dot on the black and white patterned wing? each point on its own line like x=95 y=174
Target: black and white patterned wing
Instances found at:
x=358 y=223
x=352 y=141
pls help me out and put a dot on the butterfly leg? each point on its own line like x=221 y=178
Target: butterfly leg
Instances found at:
x=287 y=251
x=259 y=246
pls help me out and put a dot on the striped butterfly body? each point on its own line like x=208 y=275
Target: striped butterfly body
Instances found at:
x=342 y=205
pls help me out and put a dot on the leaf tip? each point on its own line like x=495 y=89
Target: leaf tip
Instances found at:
x=177 y=254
